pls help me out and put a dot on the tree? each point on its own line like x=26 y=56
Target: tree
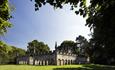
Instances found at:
x=8 y=54
x=4 y=25
x=3 y=54
x=4 y=16
x=35 y=47
x=83 y=45
x=14 y=53
x=68 y=45
x=101 y=20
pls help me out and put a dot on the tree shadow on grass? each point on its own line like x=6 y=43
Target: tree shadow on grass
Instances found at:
x=71 y=68
x=89 y=67
x=99 y=67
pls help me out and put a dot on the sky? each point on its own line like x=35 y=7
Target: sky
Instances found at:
x=48 y=25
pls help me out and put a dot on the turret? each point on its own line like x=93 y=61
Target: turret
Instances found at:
x=55 y=45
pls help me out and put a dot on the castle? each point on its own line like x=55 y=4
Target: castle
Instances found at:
x=57 y=57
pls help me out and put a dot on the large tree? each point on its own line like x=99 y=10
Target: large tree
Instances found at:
x=3 y=53
x=4 y=16
x=68 y=45
x=84 y=47
x=102 y=21
x=35 y=48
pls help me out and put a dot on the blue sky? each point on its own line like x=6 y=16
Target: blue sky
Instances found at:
x=47 y=25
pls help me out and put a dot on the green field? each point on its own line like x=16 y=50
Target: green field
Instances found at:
x=65 y=67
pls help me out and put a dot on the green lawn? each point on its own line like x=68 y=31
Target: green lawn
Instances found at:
x=65 y=67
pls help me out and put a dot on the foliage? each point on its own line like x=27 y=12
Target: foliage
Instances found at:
x=35 y=47
x=14 y=53
x=4 y=16
x=68 y=45
x=8 y=53
x=60 y=3
x=80 y=39
x=83 y=45
x=3 y=53
x=101 y=19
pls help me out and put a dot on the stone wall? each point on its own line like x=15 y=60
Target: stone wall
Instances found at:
x=22 y=60
x=55 y=58
x=48 y=59
x=65 y=59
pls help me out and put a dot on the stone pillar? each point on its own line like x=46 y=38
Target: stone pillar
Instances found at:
x=35 y=62
x=39 y=62
x=88 y=59
x=43 y=62
x=23 y=62
x=47 y=62
x=30 y=60
x=58 y=62
x=67 y=62
x=63 y=61
x=70 y=61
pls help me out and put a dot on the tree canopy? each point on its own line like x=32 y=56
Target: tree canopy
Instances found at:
x=8 y=54
x=68 y=45
x=83 y=45
x=60 y=3
x=102 y=20
x=35 y=47
x=4 y=16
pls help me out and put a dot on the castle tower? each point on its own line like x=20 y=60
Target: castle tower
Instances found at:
x=55 y=45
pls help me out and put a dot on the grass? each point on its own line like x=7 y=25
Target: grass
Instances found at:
x=65 y=67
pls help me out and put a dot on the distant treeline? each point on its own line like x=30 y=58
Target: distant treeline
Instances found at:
x=8 y=54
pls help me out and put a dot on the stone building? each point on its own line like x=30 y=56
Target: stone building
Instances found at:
x=57 y=57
